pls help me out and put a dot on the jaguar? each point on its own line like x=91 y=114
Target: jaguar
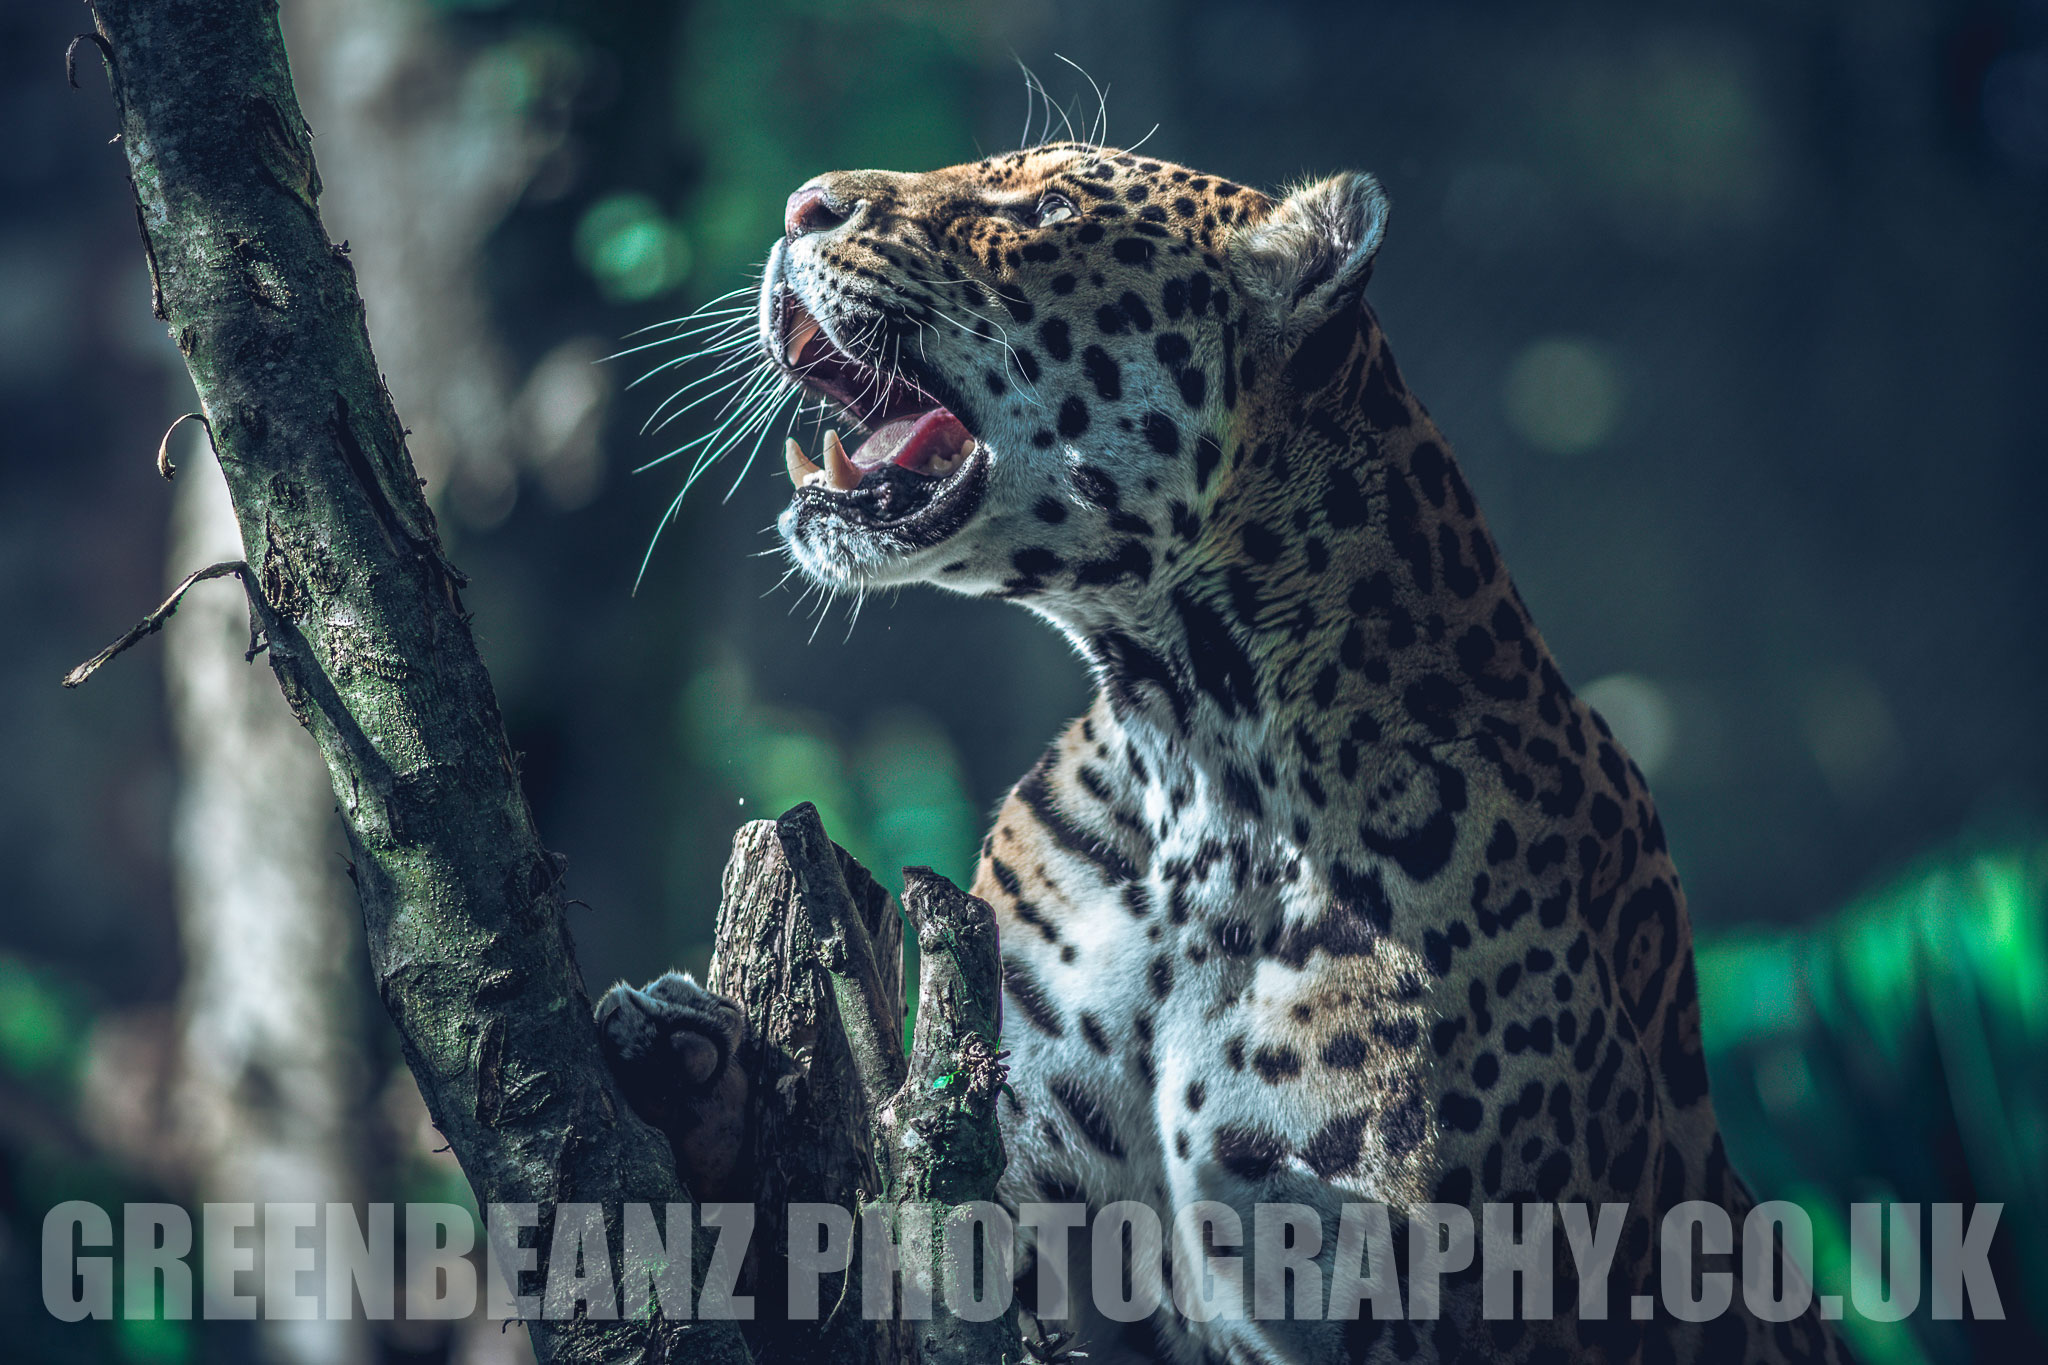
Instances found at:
x=1336 y=893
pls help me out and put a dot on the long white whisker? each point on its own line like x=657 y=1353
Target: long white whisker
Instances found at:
x=767 y=424
x=675 y=505
x=1030 y=106
x=762 y=411
x=738 y=360
x=706 y=311
x=860 y=599
x=1096 y=136
x=709 y=308
x=653 y=427
x=739 y=417
x=1067 y=122
x=756 y=385
x=723 y=346
x=1045 y=130
x=731 y=356
x=728 y=324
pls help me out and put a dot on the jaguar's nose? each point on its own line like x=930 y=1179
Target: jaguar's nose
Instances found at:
x=811 y=209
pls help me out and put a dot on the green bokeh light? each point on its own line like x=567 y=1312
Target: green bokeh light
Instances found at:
x=154 y=1340
x=633 y=250
x=40 y=1023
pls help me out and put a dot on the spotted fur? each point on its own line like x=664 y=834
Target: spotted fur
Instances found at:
x=1337 y=892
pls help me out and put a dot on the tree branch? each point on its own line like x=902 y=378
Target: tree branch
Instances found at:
x=369 y=640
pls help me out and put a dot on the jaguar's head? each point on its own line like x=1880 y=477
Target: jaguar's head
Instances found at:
x=1039 y=360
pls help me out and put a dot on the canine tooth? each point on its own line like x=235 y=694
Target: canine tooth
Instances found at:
x=799 y=339
x=968 y=447
x=802 y=469
x=838 y=469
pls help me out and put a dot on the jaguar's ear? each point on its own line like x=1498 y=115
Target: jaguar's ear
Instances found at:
x=1313 y=253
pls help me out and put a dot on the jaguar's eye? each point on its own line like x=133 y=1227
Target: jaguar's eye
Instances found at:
x=1054 y=208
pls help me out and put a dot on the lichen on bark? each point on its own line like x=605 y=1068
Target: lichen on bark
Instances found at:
x=365 y=628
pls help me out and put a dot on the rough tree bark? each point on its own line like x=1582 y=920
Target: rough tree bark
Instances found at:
x=361 y=615
x=271 y=1082
x=366 y=633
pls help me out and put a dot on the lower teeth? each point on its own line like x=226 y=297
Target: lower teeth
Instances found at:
x=806 y=474
x=946 y=464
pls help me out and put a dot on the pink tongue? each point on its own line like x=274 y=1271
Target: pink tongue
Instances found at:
x=912 y=441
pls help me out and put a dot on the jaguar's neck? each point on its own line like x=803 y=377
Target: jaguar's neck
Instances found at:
x=1341 y=595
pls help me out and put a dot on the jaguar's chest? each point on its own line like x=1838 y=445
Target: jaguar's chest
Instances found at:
x=1193 y=1023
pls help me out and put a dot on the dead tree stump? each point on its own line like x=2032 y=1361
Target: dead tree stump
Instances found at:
x=811 y=946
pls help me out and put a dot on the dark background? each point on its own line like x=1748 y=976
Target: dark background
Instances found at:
x=1736 y=314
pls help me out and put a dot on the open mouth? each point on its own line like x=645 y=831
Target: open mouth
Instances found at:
x=914 y=466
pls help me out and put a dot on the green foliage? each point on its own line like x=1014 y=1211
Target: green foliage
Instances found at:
x=893 y=795
x=775 y=91
x=1893 y=1052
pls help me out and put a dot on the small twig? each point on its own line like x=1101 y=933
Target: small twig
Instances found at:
x=154 y=622
x=71 y=55
x=163 y=447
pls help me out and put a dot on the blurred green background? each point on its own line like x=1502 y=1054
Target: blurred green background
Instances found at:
x=1736 y=314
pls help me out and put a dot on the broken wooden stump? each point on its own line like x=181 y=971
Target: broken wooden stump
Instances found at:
x=811 y=946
